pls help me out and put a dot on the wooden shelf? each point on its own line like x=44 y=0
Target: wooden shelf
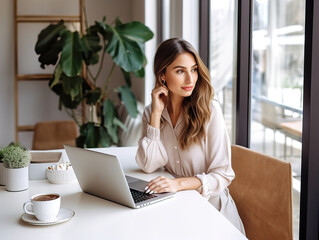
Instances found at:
x=34 y=77
x=47 y=18
x=26 y=128
x=27 y=18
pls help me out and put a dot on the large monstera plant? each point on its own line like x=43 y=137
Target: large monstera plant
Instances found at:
x=72 y=54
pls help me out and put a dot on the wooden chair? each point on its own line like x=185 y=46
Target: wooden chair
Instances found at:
x=272 y=117
x=262 y=190
x=52 y=135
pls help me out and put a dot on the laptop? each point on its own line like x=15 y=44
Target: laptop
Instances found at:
x=101 y=175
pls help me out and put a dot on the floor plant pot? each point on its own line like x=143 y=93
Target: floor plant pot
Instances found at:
x=17 y=179
x=2 y=175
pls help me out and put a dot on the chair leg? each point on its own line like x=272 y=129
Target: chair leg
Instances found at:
x=285 y=148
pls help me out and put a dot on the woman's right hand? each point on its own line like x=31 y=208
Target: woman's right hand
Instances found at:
x=159 y=100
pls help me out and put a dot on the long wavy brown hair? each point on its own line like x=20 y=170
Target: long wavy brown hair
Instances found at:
x=196 y=108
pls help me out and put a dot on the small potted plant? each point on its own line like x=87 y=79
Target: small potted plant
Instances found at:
x=2 y=170
x=16 y=161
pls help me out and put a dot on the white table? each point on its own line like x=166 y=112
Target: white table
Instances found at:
x=186 y=216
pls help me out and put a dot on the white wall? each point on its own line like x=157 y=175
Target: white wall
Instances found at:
x=6 y=73
x=150 y=49
x=37 y=101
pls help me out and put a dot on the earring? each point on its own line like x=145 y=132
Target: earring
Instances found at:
x=163 y=81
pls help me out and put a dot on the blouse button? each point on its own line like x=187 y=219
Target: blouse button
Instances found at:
x=177 y=161
x=175 y=147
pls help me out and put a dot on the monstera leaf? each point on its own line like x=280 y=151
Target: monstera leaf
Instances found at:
x=129 y=100
x=109 y=112
x=70 y=90
x=56 y=76
x=111 y=122
x=93 y=135
x=71 y=58
x=50 y=44
x=124 y=46
x=80 y=141
x=72 y=86
x=90 y=44
x=70 y=52
x=109 y=115
x=135 y=31
x=105 y=139
x=140 y=73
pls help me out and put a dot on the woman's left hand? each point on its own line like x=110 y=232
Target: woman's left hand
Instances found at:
x=161 y=185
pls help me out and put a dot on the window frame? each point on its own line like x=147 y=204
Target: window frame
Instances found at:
x=309 y=200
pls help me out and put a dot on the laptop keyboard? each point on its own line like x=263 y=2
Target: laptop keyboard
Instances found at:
x=141 y=196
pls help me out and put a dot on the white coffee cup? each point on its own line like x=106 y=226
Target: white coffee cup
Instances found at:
x=45 y=206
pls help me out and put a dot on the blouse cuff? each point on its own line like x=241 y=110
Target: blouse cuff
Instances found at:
x=153 y=133
x=204 y=188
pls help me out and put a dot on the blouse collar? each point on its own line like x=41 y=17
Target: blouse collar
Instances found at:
x=166 y=116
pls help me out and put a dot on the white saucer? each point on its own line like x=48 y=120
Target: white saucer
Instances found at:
x=64 y=215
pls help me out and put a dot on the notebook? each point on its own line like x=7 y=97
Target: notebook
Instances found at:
x=101 y=175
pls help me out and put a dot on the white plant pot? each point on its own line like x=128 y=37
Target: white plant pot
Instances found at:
x=2 y=174
x=17 y=179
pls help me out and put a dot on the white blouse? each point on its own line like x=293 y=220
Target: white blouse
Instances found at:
x=209 y=160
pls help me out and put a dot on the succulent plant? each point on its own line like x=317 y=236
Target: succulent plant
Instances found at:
x=15 y=157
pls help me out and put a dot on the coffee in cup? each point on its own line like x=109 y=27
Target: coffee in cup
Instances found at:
x=44 y=206
x=46 y=197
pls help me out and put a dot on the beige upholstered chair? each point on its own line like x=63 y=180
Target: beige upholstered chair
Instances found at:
x=52 y=135
x=262 y=190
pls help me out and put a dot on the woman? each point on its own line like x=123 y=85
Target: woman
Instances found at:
x=184 y=130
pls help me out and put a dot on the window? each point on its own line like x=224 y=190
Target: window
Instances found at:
x=277 y=84
x=222 y=56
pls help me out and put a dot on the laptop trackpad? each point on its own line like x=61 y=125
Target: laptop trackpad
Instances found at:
x=136 y=183
x=131 y=179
